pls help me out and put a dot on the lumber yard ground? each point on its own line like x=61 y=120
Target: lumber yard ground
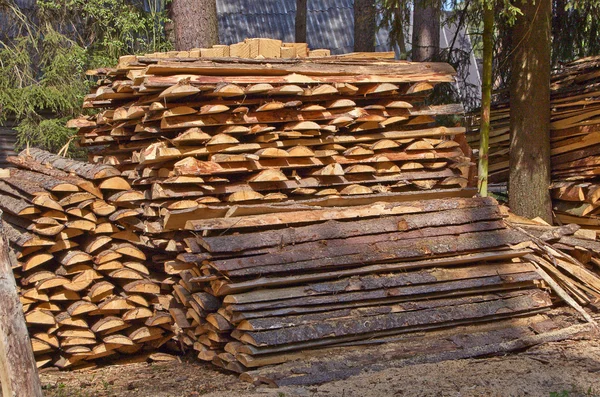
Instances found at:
x=563 y=369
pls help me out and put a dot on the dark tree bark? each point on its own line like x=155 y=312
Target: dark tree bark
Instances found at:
x=364 y=25
x=426 y=30
x=400 y=39
x=195 y=24
x=301 y=21
x=529 y=177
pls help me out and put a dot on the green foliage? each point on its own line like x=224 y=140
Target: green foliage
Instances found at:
x=43 y=64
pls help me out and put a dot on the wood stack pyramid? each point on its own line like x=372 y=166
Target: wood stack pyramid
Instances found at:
x=575 y=143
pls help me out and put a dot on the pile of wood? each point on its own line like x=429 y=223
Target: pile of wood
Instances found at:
x=87 y=292
x=289 y=211
x=575 y=143
x=205 y=139
x=268 y=295
x=310 y=205
x=260 y=48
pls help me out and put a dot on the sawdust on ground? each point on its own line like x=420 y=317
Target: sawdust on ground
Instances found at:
x=564 y=369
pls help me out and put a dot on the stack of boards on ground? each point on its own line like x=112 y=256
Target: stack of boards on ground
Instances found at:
x=257 y=48
x=575 y=143
x=304 y=205
x=286 y=296
x=87 y=292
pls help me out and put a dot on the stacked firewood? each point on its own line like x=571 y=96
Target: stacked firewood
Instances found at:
x=575 y=138
x=87 y=292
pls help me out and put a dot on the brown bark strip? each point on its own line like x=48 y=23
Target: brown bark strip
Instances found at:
x=372 y=210
x=328 y=329
x=262 y=282
x=348 y=246
x=392 y=251
x=336 y=229
x=434 y=289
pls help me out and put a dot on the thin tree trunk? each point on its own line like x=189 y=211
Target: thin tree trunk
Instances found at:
x=301 y=11
x=364 y=25
x=400 y=39
x=486 y=97
x=195 y=24
x=529 y=177
x=426 y=30
x=18 y=371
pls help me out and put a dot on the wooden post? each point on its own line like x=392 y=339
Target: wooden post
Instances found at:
x=18 y=371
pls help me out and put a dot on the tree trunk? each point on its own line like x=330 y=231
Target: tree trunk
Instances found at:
x=486 y=97
x=364 y=25
x=196 y=24
x=529 y=177
x=301 y=21
x=400 y=39
x=18 y=371
x=426 y=30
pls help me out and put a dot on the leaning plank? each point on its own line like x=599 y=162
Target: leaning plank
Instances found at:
x=18 y=370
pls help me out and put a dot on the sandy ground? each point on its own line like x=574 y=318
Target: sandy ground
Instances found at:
x=564 y=369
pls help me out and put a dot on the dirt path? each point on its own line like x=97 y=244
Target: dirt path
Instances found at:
x=565 y=369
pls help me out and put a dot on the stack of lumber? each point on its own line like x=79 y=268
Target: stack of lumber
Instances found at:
x=245 y=144
x=202 y=139
x=305 y=207
x=87 y=292
x=575 y=142
x=268 y=296
x=260 y=48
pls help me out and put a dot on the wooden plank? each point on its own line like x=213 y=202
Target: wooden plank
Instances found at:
x=319 y=369
x=84 y=170
x=347 y=246
x=406 y=71
x=263 y=282
x=297 y=217
x=335 y=229
x=374 y=282
x=18 y=370
x=390 y=251
x=333 y=328
x=394 y=294
x=480 y=331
